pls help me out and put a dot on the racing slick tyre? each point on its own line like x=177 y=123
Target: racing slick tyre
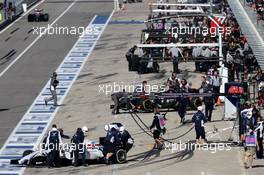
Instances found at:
x=45 y=17
x=147 y=105
x=31 y=18
x=121 y=156
x=27 y=152
x=195 y=102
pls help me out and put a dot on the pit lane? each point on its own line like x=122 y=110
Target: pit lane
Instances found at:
x=22 y=82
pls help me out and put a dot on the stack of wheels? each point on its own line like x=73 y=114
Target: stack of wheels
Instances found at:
x=121 y=156
x=195 y=102
x=31 y=18
x=45 y=17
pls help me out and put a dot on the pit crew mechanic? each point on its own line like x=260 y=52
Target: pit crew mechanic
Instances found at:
x=199 y=120
x=79 y=147
x=116 y=136
x=52 y=146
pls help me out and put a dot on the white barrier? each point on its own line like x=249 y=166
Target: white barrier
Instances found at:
x=198 y=10
x=188 y=5
x=178 y=45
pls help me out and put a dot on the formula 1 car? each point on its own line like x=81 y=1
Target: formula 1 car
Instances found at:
x=147 y=102
x=94 y=154
x=38 y=16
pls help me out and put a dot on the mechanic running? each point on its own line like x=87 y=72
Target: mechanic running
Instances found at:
x=52 y=146
x=53 y=85
x=199 y=119
x=158 y=123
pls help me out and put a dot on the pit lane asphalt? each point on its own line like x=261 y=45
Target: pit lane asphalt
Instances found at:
x=20 y=85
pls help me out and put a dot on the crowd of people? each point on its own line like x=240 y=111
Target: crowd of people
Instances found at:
x=258 y=7
x=238 y=57
x=237 y=54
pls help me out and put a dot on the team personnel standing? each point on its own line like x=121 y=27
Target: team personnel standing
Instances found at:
x=126 y=138
x=112 y=138
x=175 y=52
x=209 y=107
x=79 y=148
x=204 y=85
x=158 y=124
x=53 y=86
x=199 y=120
x=216 y=82
x=129 y=57
x=259 y=130
x=183 y=101
x=173 y=83
x=53 y=145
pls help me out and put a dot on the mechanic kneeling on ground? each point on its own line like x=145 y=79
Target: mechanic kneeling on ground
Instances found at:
x=53 y=145
x=112 y=138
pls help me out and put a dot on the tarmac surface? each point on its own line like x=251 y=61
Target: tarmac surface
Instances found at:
x=87 y=104
x=22 y=82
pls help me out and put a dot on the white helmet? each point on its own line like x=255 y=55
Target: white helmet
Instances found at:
x=84 y=129
x=106 y=127
x=200 y=108
x=122 y=128
x=249 y=114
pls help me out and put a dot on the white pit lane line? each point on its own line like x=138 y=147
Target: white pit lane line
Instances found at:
x=32 y=127
x=35 y=40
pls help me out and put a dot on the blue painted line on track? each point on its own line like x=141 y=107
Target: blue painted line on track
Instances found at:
x=34 y=124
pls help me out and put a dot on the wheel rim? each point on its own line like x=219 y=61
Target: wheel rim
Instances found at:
x=121 y=156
